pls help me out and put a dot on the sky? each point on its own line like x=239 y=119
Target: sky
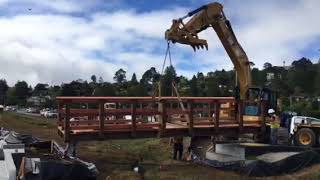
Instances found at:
x=57 y=41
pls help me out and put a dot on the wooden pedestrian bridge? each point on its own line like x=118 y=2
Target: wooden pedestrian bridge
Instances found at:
x=99 y=118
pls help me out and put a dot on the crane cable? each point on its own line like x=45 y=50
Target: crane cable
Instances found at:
x=173 y=83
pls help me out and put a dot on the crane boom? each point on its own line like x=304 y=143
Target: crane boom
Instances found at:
x=202 y=18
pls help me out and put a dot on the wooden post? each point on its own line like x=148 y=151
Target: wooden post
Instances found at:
x=117 y=107
x=240 y=115
x=217 y=116
x=59 y=117
x=101 y=119
x=190 y=119
x=67 y=124
x=133 y=119
x=210 y=111
x=162 y=118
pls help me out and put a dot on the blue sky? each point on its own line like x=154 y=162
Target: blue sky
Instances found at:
x=56 y=41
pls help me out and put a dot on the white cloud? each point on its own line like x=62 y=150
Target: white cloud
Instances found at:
x=59 y=48
x=56 y=48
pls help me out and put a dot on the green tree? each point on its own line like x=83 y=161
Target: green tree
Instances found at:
x=302 y=76
x=11 y=97
x=183 y=86
x=106 y=89
x=201 y=84
x=258 y=77
x=317 y=79
x=121 y=84
x=21 y=92
x=194 y=86
x=222 y=77
x=149 y=80
x=267 y=65
x=137 y=90
x=134 y=88
x=150 y=76
x=3 y=90
x=212 y=87
x=134 y=80
x=41 y=89
x=169 y=76
x=120 y=76
x=54 y=91
x=94 y=78
x=68 y=90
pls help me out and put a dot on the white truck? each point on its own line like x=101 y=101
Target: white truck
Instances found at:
x=305 y=131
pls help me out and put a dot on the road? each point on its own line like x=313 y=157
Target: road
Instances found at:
x=23 y=111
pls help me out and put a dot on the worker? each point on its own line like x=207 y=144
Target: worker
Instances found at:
x=274 y=126
x=177 y=147
x=191 y=149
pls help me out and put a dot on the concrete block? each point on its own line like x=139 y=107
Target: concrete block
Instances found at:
x=221 y=157
x=231 y=149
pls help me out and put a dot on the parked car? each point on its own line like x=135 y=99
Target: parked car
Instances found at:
x=10 y=108
x=32 y=110
x=51 y=114
x=43 y=111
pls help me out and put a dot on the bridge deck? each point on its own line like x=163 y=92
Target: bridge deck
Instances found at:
x=90 y=118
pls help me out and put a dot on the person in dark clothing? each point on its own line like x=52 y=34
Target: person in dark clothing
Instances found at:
x=177 y=146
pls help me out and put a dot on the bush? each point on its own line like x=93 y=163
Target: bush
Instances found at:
x=315 y=114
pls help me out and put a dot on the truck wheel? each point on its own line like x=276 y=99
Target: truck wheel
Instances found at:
x=305 y=137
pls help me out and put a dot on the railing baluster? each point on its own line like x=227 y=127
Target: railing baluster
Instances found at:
x=190 y=119
x=216 y=116
x=101 y=119
x=162 y=118
x=210 y=111
x=133 y=119
x=59 y=117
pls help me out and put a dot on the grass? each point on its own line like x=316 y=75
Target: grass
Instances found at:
x=115 y=157
x=41 y=127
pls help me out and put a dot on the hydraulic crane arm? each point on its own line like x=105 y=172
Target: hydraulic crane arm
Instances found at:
x=202 y=18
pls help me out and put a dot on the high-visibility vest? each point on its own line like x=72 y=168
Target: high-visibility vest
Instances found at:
x=274 y=123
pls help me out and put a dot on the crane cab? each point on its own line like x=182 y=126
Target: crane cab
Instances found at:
x=255 y=96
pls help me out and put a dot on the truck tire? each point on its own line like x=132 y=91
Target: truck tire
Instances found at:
x=305 y=137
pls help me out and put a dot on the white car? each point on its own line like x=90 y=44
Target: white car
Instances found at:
x=43 y=111
x=50 y=114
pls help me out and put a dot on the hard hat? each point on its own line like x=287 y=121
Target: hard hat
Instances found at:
x=136 y=169
x=271 y=111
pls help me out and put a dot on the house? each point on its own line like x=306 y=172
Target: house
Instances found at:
x=270 y=76
x=38 y=100
x=276 y=72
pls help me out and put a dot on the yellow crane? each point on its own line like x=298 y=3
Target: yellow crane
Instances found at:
x=212 y=15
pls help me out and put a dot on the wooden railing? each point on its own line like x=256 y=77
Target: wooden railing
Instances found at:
x=146 y=116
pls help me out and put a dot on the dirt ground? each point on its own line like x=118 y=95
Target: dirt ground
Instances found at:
x=114 y=158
